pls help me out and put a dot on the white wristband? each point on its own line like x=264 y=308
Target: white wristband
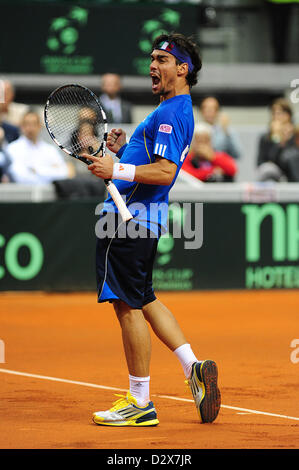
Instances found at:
x=123 y=171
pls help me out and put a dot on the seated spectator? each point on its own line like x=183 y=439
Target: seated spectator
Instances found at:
x=87 y=114
x=223 y=138
x=86 y=139
x=15 y=110
x=290 y=159
x=34 y=161
x=4 y=159
x=273 y=144
x=11 y=132
x=85 y=136
x=204 y=162
x=117 y=110
x=288 y=168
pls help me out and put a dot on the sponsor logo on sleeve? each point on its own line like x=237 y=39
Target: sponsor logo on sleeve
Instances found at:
x=165 y=128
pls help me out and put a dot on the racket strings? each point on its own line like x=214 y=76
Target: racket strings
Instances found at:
x=76 y=120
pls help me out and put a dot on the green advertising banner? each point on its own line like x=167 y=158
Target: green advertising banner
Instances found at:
x=51 y=246
x=47 y=246
x=78 y=39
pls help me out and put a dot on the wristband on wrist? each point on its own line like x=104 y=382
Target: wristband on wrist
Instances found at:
x=123 y=171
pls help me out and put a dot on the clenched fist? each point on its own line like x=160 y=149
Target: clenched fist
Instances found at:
x=116 y=139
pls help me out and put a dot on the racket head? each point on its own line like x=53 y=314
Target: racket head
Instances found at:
x=76 y=121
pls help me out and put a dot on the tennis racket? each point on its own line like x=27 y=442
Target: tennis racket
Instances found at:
x=77 y=123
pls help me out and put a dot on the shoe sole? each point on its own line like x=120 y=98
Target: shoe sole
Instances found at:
x=210 y=403
x=153 y=422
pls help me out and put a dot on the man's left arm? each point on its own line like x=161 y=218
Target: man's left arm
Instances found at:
x=160 y=172
x=168 y=139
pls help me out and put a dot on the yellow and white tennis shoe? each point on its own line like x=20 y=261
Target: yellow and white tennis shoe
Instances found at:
x=126 y=412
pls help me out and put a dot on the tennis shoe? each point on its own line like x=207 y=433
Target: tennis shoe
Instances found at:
x=205 y=391
x=126 y=412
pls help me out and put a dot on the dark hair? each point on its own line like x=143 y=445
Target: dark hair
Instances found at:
x=186 y=45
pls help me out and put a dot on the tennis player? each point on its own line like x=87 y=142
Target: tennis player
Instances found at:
x=148 y=167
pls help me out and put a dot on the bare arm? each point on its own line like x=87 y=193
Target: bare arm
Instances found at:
x=161 y=172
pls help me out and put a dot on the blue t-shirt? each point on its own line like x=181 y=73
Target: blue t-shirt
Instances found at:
x=167 y=132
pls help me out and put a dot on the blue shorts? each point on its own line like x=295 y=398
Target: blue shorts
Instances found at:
x=124 y=269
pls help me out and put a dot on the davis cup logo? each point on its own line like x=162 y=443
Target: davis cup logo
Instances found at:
x=165 y=128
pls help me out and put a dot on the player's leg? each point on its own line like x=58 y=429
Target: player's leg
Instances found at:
x=201 y=375
x=134 y=409
x=121 y=269
x=166 y=327
x=136 y=338
x=164 y=324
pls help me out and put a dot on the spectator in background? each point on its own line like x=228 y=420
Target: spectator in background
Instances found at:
x=4 y=159
x=290 y=159
x=87 y=114
x=11 y=132
x=272 y=144
x=85 y=135
x=223 y=138
x=117 y=110
x=32 y=160
x=204 y=162
x=86 y=138
x=15 y=110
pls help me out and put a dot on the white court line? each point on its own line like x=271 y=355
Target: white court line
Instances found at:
x=168 y=397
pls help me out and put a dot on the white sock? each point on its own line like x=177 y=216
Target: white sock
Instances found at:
x=139 y=389
x=186 y=357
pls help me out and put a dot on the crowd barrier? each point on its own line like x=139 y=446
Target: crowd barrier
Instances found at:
x=222 y=236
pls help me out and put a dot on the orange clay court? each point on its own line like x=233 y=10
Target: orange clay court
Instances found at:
x=64 y=360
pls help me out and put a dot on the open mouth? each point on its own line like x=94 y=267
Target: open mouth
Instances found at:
x=155 y=81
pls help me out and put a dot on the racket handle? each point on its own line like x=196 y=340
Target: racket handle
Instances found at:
x=118 y=200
